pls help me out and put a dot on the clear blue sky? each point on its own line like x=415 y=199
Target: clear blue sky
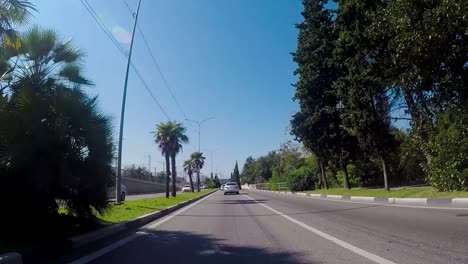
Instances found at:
x=222 y=58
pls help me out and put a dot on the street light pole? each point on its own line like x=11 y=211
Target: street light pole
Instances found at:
x=122 y=113
x=199 y=128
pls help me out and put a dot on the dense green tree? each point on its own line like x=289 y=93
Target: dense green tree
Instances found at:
x=447 y=162
x=360 y=87
x=199 y=161
x=216 y=181
x=248 y=171
x=55 y=143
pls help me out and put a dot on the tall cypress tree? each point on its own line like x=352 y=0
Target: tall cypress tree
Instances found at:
x=236 y=175
x=317 y=121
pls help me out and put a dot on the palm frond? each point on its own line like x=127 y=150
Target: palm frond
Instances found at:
x=72 y=73
x=38 y=43
x=67 y=52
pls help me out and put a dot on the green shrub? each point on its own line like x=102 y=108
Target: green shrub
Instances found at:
x=446 y=152
x=275 y=179
x=301 y=179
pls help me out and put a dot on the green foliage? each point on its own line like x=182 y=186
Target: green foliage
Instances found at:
x=446 y=149
x=274 y=180
x=57 y=145
x=217 y=182
x=235 y=176
x=354 y=179
x=301 y=179
x=170 y=136
x=198 y=161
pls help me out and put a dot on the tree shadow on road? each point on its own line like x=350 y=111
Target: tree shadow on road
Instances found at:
x=184 y=247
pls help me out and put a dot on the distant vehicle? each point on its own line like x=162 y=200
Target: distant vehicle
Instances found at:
x=204 y=187
x=187 y=188
x=231 y=187
x=222 y=187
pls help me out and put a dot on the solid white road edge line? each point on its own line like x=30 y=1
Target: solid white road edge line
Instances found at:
x=125 y=240
x=335 y=240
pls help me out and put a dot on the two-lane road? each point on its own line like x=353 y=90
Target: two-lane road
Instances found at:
x=259 y=227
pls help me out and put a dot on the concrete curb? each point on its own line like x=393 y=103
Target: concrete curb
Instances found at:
x=11 y=258
x=103 y=233
x=461 y=203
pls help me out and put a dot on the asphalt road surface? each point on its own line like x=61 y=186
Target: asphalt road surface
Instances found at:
x=259 y=227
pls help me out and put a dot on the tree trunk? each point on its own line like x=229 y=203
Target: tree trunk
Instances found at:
x=384 y=170
x=198 y=179
x=345 y=176
x=191 y=182
x=174 y=175
x=168 y=174
x=412 y=107
x=324 y=177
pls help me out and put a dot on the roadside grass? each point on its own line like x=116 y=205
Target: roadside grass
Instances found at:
x=404 y=192
x=132 y=209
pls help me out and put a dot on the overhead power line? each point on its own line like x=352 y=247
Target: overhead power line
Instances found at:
x=160 y=72
x=128 y=7
x=149 y=91
x=156 y=63
x=101 y=24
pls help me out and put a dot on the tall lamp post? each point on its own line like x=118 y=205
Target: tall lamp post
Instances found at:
x=122 y=113
x=199 y=123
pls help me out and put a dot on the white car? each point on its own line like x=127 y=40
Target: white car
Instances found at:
x=187 y=188
x=231 y=187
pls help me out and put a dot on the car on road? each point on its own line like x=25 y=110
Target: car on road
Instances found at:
x=222 y=187
x=231 y=187
x=123 y=192
x=187 y=188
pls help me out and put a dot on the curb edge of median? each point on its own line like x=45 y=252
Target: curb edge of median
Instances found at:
x=457 y=203
x=79 y=241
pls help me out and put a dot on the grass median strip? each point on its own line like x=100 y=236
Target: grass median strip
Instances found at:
x=405 y=192
x=132 y=209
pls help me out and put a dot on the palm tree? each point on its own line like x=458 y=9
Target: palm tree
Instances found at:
x=170 y=136
x=56 y=144
x=178 y=137
x=188 y=167
x=163 y=137
x=198 y=160
x=12 y=13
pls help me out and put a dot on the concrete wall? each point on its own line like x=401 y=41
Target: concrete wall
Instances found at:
x=135 y=186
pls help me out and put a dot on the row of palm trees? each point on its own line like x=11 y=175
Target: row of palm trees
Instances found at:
x=169 y=137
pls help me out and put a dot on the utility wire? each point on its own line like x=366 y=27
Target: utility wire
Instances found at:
x=128 y=7
x=156 y=63
x=160 y=72
x=149 y=91
x=116 y=43
x=101 y=24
